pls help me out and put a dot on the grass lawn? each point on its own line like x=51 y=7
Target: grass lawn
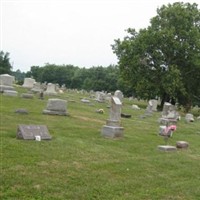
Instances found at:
x=79 y=164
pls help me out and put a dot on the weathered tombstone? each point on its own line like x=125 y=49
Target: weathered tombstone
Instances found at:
x=30 y=132
x=189 y=117
x=167 y=148
x=169 y=114
x=100 y=97
x=21 y=111
x=119 y=94
x=37 y=87
x=10 y=93
x=56 y=107
x=149 y=109
x=28 y=83
x=85 y=100
x=6 y=82
x=135 y=107
x=27 y=95
x=51 y=89
x=154 y=103
x=182 y=144
x=113 y=128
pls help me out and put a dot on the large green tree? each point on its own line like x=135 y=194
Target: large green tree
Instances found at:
x=163 y=59
x=5 y=66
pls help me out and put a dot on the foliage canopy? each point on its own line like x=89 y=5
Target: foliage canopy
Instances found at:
x=163 y=60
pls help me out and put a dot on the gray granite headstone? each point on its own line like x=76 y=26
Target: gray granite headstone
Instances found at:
x=29 y=132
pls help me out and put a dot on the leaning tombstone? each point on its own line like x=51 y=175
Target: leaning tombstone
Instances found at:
x=31 y=132
x=56 y=107
x=113 y=126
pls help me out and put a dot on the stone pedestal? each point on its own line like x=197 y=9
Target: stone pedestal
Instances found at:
x=112 y=131
x=167 y=148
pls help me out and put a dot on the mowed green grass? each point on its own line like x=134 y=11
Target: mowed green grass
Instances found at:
x=78 y=163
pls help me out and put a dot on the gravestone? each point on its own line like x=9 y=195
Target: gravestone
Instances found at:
x=167 y=148
x=189 y=117
x=27 y=95
x=28 y=83
x=21 y=111
x=56 y=107
x=37 y=87
x=154 y=103
x=169 y=114
x=10 y=93
x=182 y=144
x=113 y=127
x=30 y=132
x=119 y=94
x=51 y=89
x=149 y=109
x=100 y=97
x=6 y=82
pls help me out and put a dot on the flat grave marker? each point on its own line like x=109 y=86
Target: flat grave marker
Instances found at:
x=30 y=132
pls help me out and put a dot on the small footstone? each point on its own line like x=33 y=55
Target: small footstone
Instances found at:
x=182 y=144
x=167 y=148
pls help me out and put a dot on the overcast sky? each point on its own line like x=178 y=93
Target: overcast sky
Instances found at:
x=77 y=32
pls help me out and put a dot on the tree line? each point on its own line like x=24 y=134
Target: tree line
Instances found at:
x=162 y=60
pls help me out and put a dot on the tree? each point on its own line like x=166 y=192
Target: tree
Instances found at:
x=164 y=59
x=5 y=66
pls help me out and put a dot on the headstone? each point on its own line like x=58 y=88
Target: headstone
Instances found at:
x=6 y=79
x=189 y=117
x=100 y=97
x=21 y=111
x=154 y=103
x=182 y=144
x=37 y=87
x=167 y=148
x=149 y=109
x=28 y=83
x=51 y=89
x=135 y=107
x=113 y=127
x=85 y=100
x=30 y=132
x=6 y=82
x=27 y=95
x=56 y=107
x=119 y=94
x=10 y=93
x=169 y=114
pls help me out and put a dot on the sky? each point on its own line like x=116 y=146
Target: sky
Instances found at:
x=76 y=32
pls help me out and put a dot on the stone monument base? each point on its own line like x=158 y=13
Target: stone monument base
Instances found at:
x=112 y=131
x=167 y=148
x=53 y=112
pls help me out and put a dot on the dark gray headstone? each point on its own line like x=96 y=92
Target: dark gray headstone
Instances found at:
x=29 y=132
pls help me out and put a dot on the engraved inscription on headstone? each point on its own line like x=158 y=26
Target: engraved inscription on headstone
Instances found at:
x=29 y=132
